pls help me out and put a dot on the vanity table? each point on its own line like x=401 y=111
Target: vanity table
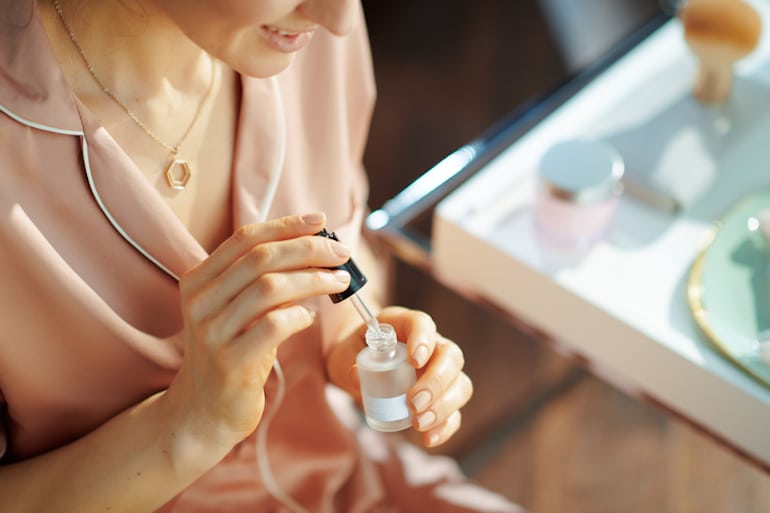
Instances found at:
x=634 y=306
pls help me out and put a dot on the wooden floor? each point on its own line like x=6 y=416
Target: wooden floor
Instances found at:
x=540 y=429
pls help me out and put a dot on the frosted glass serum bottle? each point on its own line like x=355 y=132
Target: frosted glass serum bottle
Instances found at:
x=386 y=376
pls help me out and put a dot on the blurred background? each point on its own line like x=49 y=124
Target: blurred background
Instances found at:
x=541 y=429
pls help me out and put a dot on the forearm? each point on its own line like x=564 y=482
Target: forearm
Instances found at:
x=135 y=463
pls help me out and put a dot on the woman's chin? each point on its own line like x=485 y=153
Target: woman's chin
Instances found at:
x=264 y=68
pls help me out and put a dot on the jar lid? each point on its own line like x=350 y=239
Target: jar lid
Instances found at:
x=581 y=171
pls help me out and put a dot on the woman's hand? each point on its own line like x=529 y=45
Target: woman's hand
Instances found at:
x=442 y=387
x=239 y=305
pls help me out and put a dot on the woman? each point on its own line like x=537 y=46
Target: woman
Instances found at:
x=166 y=342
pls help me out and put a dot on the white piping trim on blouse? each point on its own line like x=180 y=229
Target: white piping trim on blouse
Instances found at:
x=39 y=126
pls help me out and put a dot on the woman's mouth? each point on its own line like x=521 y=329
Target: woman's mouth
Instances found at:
x=283 y=40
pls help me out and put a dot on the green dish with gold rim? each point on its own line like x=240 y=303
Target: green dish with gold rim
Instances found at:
x=729 y=286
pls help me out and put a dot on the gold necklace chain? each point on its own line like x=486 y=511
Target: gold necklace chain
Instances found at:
x=174 y=179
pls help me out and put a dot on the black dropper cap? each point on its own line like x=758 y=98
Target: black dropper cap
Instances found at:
x=357 y=278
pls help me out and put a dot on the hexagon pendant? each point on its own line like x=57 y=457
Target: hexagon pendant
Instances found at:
x=178 y=174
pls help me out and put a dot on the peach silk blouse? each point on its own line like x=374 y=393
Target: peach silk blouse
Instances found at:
x=90 y=322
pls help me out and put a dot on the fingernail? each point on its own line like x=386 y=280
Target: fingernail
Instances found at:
x=421 y=400
x=420 y=355
x=426 y=419
x=341 y=276
x=313 y=218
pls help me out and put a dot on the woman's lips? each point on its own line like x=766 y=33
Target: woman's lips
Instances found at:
x=285 y=40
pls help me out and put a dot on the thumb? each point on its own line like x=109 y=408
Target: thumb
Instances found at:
x=341 y=365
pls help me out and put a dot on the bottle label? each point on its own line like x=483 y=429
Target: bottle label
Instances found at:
x=386 y=409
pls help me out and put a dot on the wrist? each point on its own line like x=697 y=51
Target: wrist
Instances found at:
x=192 y=444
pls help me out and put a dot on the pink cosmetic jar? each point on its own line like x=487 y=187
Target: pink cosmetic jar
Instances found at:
x=579 y=185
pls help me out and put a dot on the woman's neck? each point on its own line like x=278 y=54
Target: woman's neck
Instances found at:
x=167 y=82
x=133 y=47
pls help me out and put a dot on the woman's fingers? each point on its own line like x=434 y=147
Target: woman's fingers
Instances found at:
x=440 y=392
x=256 y=250
x=246 y=238
x=261 y=264
x=438 y=416
x=272 y=290
x=437 y=410
x=447 y=362
x=443 y=431
x=264 y=337
x=421 y=330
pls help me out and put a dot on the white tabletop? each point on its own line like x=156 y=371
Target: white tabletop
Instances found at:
x=622 y=304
